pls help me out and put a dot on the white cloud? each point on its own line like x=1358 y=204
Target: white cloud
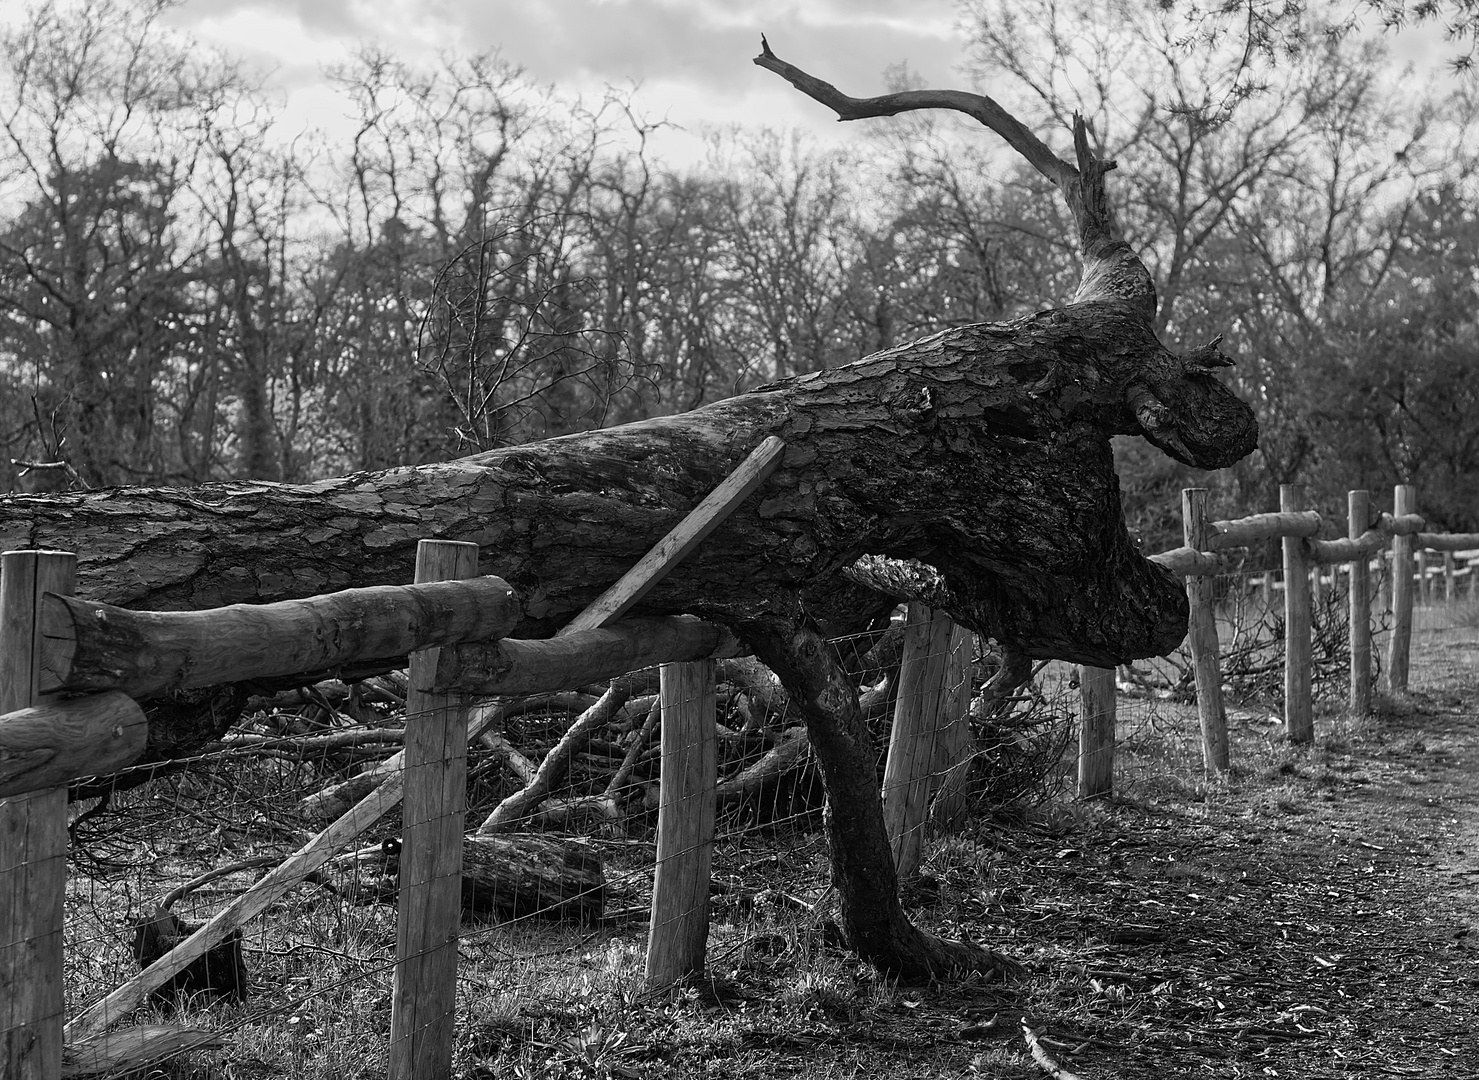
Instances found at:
x=690 y=58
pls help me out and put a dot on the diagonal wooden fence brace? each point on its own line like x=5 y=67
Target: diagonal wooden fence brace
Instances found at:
x=684 y=537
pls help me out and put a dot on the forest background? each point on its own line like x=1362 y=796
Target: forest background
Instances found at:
x=194 y=289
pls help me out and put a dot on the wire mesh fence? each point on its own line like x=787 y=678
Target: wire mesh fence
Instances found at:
x=556 y=893
x=555 y=902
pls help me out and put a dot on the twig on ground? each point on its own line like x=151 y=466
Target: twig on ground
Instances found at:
x=1039 y=1055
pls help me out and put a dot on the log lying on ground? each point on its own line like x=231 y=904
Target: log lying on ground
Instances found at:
x=516 y=877
x=982 y=451
x=510 y=878
x=220 y=973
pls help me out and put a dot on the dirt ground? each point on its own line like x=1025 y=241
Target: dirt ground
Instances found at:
x=1317 y=916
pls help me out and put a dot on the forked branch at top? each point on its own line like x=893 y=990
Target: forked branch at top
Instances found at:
x=983 y=108
x=1111 y=269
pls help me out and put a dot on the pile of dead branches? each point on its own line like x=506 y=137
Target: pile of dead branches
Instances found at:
x=1251 y=655
x=585 y=760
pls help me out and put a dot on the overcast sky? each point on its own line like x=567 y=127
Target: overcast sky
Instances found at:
x=689 y=58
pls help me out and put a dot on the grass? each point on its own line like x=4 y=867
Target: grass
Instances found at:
x=1465 y=614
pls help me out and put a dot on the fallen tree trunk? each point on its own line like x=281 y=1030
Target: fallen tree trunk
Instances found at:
x=982 y=451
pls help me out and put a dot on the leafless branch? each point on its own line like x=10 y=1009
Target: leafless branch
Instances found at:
x=1111 y=269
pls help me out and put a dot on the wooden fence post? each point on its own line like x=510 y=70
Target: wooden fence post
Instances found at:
x=1399 y=646
x=1358 y=518
x=1450 y=590
x=954 y=738
x=429 y=913
x=955 y=741
x=921 y=716
x=679 y=932
x=1424 y=593
x=33 y=840
x=1096 y=693
x=1299 y=720
x=1196 y=528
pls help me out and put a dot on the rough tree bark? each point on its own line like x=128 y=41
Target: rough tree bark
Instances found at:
x=982 y=451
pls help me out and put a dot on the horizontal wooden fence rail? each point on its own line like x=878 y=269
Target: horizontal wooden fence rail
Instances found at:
x=57 y=741
x=1448 y=541
x=94 y=646
x=64 y=739
x=1256 y=527
x=511 y=666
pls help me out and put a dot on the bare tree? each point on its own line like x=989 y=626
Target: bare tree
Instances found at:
x=103 y=118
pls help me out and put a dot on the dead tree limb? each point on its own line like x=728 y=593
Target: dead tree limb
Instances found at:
x=555 y=763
